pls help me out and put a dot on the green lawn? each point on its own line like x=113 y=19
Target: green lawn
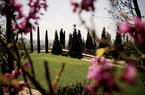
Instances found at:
x=75 y=70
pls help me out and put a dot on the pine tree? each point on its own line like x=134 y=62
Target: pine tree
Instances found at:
x=46 y=42
x=57 y=50
x=103 y=42
x=69 y=42
x=38 y=40
x=89 y=42
x=62 y=38
x=75 y=49
x=31 y=42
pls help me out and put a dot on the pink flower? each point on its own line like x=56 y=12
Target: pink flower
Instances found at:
x=130 y=74
x=101 y=59
x=124 y=27
x=100 y=72
x=27 y=23
x=92 y=88
x=7 y=75
x=88 y=5
x=94 y=60
x=94 y=71
x=135 y=30
x=28 y=65
x=16 y=73
x=74 y=4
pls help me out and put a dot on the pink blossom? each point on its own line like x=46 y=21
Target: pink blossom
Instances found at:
x=135 y=30
x=130 y=74
x=101 y=59
x=101 y=74
x=94 y=71
x=88 y=5
x=94 y=60
x=12 y=88
x=16 y=73
x=7 y=75
x=124 y=27
x=27 y=23
x=74 y=4
x=21 y=85
x=28 y=65
x=92 y=88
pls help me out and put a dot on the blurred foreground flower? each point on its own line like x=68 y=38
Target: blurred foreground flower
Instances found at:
x=87 y=5
x=25 y=22
x=101 y=72
x=129 y=74
x=135 y=30
x=11 y=81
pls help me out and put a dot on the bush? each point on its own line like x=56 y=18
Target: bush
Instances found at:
x=72 y=89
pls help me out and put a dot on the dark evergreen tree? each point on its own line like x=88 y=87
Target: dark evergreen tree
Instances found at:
x=89 y=42
x=31 y=42
x=103 y=41
x=38 y=40
x=46 y=42
x=118 y=40
x=108 y=39
x=70 y=41
x=62 y=38
x=75 y=49
x=80 y=39
x=84 y=43
x=57 y=50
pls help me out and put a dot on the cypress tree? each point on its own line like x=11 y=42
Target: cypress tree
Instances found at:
x=75 y=49
x=69 y=42
x=38 y=40
x=62 y=38
x=46 y=42
x=57 y=50
x=80 y=39
x=89 y=42
x=108 y=39
x=118 y=40
x=31 y=42
x=103 y=42
x=83 y=41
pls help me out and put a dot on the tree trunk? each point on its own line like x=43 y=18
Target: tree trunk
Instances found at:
x=38 y=40
x=9 y=35
x=137 y=8
x=31 y=41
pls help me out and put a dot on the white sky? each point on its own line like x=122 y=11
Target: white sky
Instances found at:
x=60 y=15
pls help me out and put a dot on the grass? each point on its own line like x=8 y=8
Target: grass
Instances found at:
x=75 y=70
